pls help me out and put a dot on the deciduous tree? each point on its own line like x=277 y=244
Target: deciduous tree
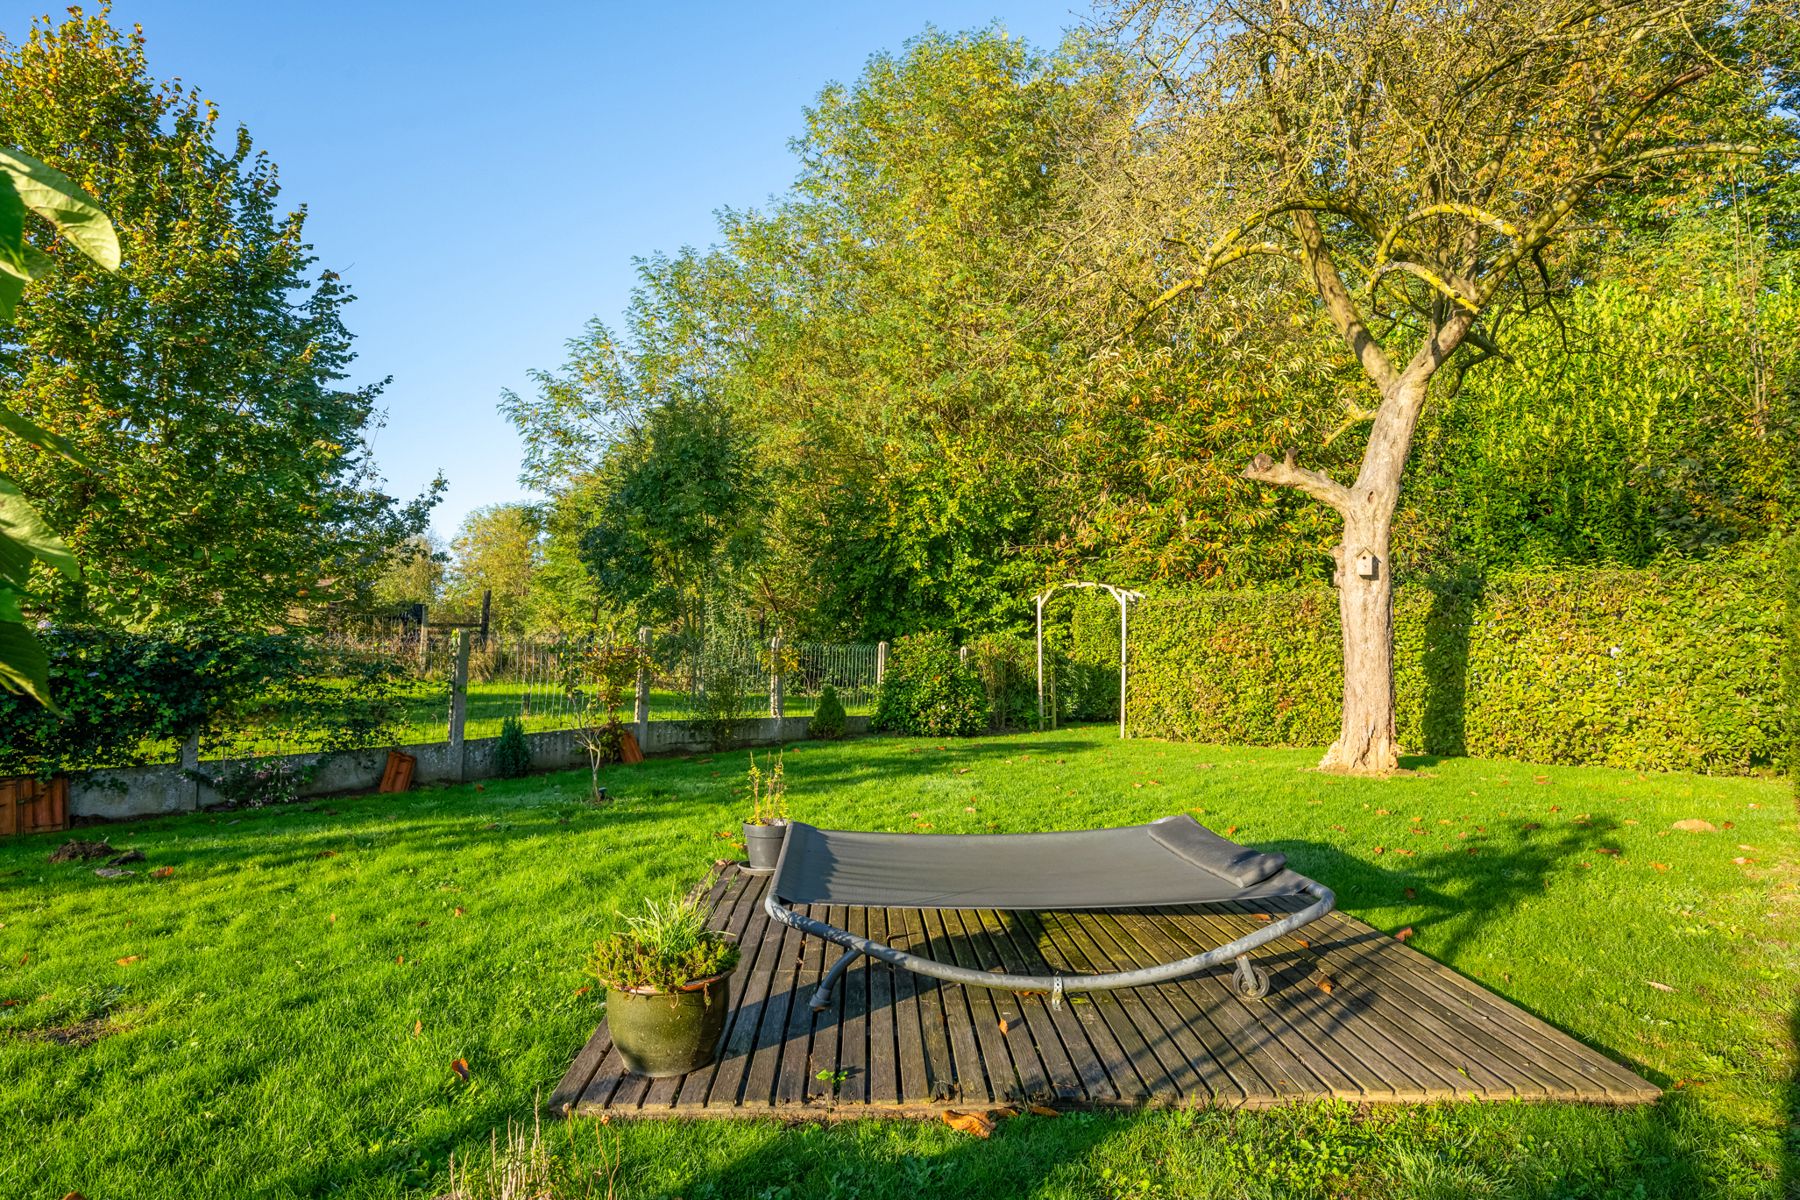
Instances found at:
x=1416 y=162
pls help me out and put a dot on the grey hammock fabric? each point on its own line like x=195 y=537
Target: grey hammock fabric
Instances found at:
x=1172 y=861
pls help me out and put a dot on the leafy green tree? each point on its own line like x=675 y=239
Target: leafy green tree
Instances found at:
x=672 y=511
x=29 y=188
x=414 y=574
x=1309 y=133
x=497 y=550
x=230 y=474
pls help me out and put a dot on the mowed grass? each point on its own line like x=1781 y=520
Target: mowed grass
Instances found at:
x=279 y=1016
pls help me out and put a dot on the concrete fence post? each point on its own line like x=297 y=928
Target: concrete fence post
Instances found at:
x=775 y=676
x=190 y=764
x=640 y=705
x=459 y=703
x=880 y=662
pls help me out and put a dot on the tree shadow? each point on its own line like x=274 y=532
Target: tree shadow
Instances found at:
x=1790 y=1144
x=1445 y=662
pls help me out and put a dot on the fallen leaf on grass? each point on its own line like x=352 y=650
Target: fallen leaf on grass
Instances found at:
x=1660 y=866
x=163 y=872
x=1404 y=934
x=332 y=918
x=1607 y=850
x=1661 y=987
x=973 y=1123
x=1230 y=829
x=1694 y=825
x=327 y=854
x=457 y=911
x=1043 y=1110
x=418 y=1028
x=582 y=990
x=1742 y=861
x=1410 y=894
x=461 y=1067
x=127 y=960
x=400 y=959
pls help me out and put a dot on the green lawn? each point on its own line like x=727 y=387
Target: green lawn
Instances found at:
x=279 y=1016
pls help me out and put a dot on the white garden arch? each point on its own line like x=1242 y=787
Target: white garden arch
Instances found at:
x=1124 y=596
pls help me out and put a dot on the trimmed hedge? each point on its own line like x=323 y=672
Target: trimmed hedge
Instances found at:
x=1790 y=563
x=1671 y=668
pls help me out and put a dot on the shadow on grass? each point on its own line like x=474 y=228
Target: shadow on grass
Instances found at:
x=1790 y=1147
x=1024 y=1154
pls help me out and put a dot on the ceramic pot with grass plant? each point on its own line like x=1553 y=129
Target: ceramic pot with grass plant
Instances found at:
x=668 y=987
x=766 y=826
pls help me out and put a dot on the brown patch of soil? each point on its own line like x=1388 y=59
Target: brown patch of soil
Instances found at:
x=75 y=850
x=81 y=1033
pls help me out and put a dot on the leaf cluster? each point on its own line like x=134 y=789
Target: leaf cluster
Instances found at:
x=663 y=949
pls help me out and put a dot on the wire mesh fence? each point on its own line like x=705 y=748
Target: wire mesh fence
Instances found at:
x=850 y=667
x=539 y=682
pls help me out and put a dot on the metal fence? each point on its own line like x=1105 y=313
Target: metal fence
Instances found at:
x=537 y=681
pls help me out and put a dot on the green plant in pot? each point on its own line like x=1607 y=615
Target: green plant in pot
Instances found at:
x=668 y=987
x=767 y=823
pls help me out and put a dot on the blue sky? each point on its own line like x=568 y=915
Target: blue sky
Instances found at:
x=483 y=174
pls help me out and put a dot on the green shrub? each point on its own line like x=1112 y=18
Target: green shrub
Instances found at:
x=929 y=692
x=512 y=754
x=1790 y=573
x=1670 y=668
x=1007 y=668
x=662 y=948
x=723 y=703
x=1087 y=677
x=828 y=715
x=127 y=696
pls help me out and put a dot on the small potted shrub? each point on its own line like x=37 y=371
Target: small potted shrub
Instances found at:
x=668 y=987
x=828 y=717
x=766 y=825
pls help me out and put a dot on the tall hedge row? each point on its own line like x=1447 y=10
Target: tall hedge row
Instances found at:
x=1676 y=667
x=1790 y=566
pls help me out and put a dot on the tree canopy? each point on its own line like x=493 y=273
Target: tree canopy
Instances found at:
x=225 y=471
x=934 y=365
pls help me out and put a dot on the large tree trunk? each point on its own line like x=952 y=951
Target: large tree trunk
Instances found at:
x=1365 y=744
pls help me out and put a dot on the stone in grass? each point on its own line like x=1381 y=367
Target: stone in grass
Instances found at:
x=113 y=872
x=1695 y=825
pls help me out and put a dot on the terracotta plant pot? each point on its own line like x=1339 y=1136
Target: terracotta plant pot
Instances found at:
x=763 y=843
x=659 y=1034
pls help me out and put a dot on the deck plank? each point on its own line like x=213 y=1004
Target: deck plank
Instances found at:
x=1396 y=1026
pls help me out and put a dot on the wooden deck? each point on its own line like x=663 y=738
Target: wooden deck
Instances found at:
x=1395 y=1027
